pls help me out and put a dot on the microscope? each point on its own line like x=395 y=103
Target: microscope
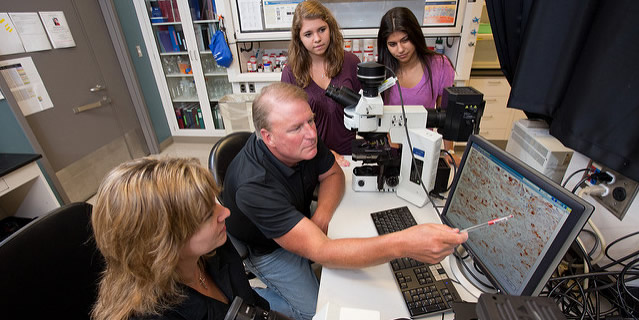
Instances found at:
x=397 y=148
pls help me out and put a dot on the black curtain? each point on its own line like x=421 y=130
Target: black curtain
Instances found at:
x=575 y=63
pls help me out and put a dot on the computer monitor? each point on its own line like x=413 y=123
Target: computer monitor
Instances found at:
x=519 y=255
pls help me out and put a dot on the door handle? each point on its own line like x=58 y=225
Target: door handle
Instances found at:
x=104 y=101
x=97 y=88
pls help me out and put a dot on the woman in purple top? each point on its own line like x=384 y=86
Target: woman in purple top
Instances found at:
x=317 y=59
x=422 y=73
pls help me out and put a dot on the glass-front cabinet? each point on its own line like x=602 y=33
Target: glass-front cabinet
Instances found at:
x=261 y=31
x=255 y=19
x=177 y=35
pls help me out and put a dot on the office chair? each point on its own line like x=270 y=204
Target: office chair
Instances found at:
x=50 y=268
x=222 y=153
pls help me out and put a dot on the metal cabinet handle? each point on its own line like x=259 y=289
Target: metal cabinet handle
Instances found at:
x=97 y=104
x=97 y=88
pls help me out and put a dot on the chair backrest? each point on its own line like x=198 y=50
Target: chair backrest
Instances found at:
x=224 y=151
x=51 y=267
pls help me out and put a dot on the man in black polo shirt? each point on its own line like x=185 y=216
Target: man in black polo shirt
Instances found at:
x=269 y=187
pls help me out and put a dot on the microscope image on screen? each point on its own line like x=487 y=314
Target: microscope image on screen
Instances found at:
x=516 y=256
x=487 y=191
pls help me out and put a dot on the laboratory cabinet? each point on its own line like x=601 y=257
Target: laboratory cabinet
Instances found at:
x=485 y=50
x=497 y=121
x=25 y=193
x=263 y=27
x=191 y=84
x=177 y=34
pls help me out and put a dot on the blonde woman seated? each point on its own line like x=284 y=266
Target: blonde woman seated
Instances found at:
x=164 y=240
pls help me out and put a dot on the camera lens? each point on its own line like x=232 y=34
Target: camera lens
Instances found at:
x=371 y=75
x=240 y=310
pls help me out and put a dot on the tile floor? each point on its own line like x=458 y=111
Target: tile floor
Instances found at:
x=196 y=150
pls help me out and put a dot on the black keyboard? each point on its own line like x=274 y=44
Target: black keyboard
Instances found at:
x=425 y=287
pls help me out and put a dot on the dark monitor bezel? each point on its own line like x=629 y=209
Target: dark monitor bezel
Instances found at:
x=581 y=211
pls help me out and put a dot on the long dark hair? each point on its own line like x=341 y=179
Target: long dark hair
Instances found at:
x=402 y=19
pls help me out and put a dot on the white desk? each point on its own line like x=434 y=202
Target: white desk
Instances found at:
x=372 y=288
x=24 y=191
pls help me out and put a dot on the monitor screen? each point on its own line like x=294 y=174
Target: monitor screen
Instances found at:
x=519 y=255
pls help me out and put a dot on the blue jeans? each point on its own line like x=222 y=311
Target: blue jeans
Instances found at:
x=292 y=286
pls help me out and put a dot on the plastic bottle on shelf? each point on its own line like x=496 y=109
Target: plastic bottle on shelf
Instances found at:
x=184 y=89
x=253 y=61
x=170 y=65
x=439 y=46
x=348 y=45
x=184 y=65
x=356 y=45
x=281 y=61
x=190 y=90
x=369 y=44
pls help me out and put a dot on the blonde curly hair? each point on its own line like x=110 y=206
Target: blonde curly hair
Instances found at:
x=146 y=210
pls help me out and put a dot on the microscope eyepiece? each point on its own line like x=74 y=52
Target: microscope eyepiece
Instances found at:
x=344 y=95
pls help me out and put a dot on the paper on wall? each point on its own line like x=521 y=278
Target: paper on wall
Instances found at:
x=30 y=30
x=57 y=28
x=438 y=12
x=25 y=84
x=279 y=13
x=250 y=15
x=10 y=42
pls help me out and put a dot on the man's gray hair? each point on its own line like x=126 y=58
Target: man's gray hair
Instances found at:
x=271 y=96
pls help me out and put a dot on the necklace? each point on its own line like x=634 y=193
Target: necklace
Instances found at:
x=202 y=279
x=323 y=71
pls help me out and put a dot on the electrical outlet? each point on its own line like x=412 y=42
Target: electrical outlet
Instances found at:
x=621 y=191
x=242 y=87
x=251 y=87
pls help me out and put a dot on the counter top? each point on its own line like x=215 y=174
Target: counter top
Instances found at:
x=10 y=162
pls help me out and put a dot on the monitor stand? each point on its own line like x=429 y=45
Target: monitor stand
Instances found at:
x=462 y=275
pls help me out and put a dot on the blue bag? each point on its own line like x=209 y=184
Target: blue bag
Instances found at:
x=220 y=50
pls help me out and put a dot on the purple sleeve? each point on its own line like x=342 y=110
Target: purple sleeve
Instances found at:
x=287 y=76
